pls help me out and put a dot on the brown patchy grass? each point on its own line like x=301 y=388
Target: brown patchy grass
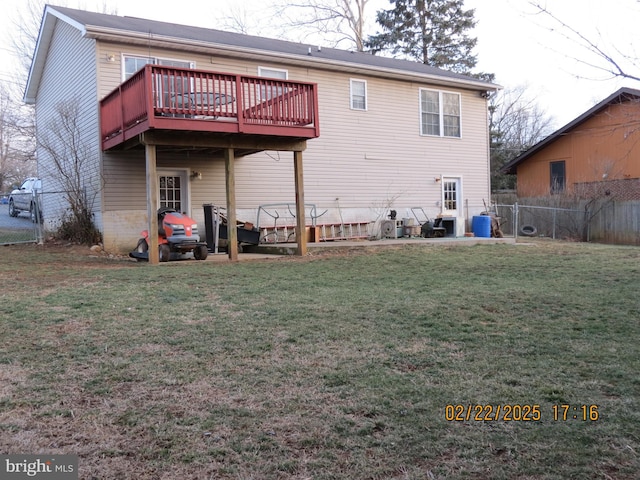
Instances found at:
x=336 y=366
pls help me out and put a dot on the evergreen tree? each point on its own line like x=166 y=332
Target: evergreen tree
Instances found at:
x=433 y=32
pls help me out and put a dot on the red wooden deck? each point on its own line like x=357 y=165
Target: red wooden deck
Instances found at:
x=175 y=99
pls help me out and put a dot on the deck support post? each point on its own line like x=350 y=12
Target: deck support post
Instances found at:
x=301 y=231
x=152 y=203
x=230 y=178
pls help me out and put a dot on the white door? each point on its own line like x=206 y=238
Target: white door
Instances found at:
x=451 y=196
x=173 y=190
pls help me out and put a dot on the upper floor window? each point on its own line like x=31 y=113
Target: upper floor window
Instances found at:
x=557 y=176
x=271 y=91
x=273 y=73
x=358 y=94
x=439 y=113
x=131 y=64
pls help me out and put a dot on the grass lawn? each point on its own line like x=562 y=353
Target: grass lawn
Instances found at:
x=386 y=364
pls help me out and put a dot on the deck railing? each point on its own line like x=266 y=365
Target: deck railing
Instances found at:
x=222 y=102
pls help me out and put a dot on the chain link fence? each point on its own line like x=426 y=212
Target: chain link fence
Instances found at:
x=539 y=221
x=21 y=225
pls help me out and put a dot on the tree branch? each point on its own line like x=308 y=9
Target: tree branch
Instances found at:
x=614 y=68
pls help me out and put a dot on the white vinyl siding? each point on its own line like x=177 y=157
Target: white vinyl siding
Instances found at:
x=359 y=167
x=358 y=90
x=364 y=163
x=65 y=83
x=439 y=113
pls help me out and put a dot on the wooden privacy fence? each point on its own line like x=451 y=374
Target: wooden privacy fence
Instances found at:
x=615 y=222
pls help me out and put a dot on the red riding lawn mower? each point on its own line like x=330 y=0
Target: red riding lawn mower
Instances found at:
x=177 y=235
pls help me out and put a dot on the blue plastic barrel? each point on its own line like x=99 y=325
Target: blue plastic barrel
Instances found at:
x=481 y=226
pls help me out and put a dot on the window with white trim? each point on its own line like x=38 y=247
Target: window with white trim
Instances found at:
x=439 y=113
x=271 y=91
x=273 y=73
x=170 y=191
x=172 y=87
x=358 y=94
x=132 y=63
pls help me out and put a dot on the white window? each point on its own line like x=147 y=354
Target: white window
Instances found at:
x=268 y=92
x=358 y=94
x=273 y=73
x=170 y=88
x=132 y=63
x=439 y=113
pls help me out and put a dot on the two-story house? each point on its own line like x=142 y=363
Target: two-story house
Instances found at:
x=180 y=116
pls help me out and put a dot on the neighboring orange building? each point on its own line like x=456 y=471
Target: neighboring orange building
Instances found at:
x=595 y=155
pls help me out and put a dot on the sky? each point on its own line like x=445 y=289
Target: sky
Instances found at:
x=522 y=48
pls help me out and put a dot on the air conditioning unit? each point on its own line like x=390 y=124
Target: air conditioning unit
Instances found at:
x=388 y=229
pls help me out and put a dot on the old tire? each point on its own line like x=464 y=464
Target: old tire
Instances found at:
x=164 y=252
x=528 y=231
x=142 y=246
x=200 y=252
x=12 y=209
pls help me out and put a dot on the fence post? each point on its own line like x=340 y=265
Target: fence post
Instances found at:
x=515 y=220
x=553 y=231
x=38 y=227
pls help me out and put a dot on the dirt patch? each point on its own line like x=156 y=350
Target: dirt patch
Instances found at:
x=11 y=377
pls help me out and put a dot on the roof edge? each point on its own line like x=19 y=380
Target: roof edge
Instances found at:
x=510 y=167
x=111 y=34
x=47 y=25
x=52 y=15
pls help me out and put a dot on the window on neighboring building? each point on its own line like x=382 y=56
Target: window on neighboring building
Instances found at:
x=358 y=94
x=439 y=113
x=558 y=178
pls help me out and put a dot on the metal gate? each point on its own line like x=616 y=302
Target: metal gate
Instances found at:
x=540 y=221
x=24 y=228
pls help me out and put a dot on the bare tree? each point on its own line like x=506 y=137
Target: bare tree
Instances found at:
x=516 y=123
x=17 y=159
x=67 y=160
x=598 y=54
x=26 y=25
x=237 y=18
x=343 y=21
x=17 y=121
